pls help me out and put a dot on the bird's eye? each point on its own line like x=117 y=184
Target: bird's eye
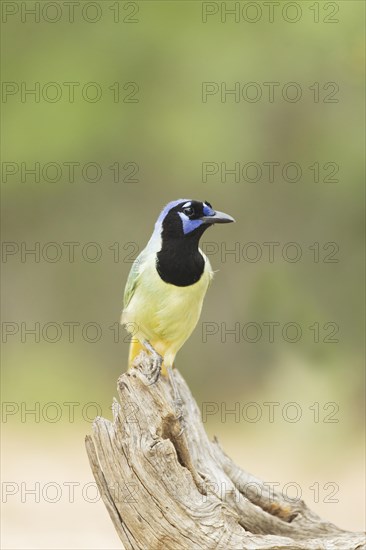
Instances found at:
x=188 y=211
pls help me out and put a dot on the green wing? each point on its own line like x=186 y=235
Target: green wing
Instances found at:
x=133 y=280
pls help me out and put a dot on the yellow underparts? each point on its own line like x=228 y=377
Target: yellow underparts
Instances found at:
x=136 y=347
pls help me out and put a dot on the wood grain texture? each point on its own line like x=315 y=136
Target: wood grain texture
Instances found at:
x=164 y=489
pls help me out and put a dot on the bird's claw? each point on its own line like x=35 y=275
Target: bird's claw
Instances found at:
x=154 y=371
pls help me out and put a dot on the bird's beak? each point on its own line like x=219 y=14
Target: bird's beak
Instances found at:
x=218 y=217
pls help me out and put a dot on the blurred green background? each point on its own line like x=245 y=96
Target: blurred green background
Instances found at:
x=168 y=133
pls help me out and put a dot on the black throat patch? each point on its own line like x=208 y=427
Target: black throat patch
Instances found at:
x=178 y=264
x=179 y=261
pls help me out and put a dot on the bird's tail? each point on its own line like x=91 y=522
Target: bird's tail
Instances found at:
x=135 y=348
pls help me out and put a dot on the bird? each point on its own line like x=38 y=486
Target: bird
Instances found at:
x=167 y=284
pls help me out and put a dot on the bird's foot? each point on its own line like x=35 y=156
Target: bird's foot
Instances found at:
x=154 y=369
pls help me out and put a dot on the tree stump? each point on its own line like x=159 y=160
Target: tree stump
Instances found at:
x=173 y=490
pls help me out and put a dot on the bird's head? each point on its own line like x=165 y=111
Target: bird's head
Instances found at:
x=185 y=218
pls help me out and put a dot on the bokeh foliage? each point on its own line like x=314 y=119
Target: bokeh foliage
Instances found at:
x=169 y=133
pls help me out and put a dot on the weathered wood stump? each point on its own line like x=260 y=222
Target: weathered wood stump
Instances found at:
x=169 y=490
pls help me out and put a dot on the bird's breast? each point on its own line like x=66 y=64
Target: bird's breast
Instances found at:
x=167 y=311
